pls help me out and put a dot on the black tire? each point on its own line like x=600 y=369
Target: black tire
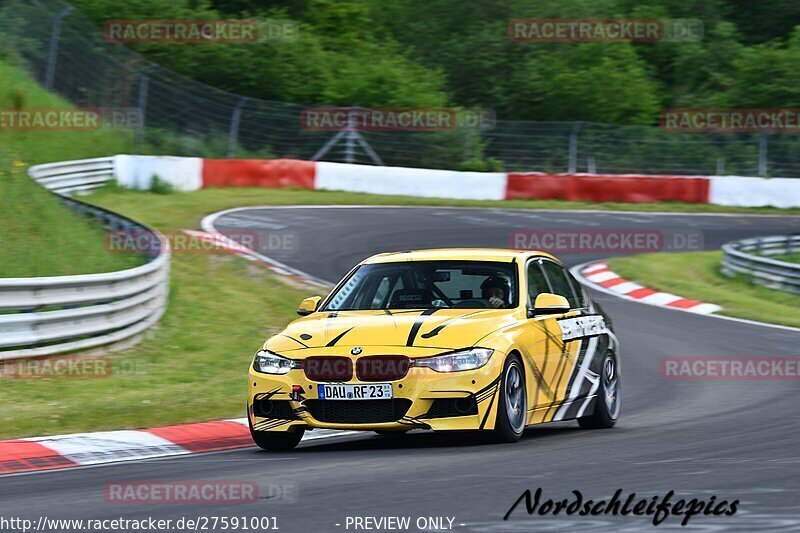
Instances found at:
x=607 y=403
x=276 y=441
x=512 y=410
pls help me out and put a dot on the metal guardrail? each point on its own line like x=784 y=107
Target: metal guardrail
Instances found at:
x=68 y=177
x=59 y=314
x=748 y=257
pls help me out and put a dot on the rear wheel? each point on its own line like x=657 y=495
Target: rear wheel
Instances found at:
x=607 y=402
x=276 y=441
x=513 y=403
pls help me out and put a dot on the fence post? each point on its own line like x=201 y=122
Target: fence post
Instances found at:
x=52 y=58
x=762 y=154
x=350 y=139
x=720 y=166
x=591 y=165
x=467 y=145
x=236 y=118
x=573 y=148
x=144 y=82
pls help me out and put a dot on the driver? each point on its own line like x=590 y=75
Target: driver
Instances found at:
x=496 y=290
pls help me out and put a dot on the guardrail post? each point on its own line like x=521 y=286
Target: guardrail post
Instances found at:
x=52 y=57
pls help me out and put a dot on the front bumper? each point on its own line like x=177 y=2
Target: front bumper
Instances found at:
x=424 y=398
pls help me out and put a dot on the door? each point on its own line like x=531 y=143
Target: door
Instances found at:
x=548 y=359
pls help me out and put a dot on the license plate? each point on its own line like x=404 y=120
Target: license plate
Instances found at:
x=374 y=391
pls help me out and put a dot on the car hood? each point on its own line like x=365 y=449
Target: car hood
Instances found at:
x=433 y=328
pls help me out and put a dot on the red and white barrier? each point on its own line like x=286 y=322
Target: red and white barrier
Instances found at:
x=411 y=181
x=138 y=171
x=631 y=188
x=187 y=174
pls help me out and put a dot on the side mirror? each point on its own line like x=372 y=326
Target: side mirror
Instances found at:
x=308 y=306
x=549 y=304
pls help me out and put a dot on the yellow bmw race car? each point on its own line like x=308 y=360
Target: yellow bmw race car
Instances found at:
x=450 y=340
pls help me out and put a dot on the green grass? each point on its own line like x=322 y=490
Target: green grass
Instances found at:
x=696 y=275
x=217 y=199
x=19 y=91
x=789 y=258
x=39 y=236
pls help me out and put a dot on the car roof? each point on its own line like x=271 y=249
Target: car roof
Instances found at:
x=455 y=254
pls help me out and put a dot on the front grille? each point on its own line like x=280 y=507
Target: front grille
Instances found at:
x=358 y=411
x=275 y=409
x=328 y=368
x=382 y=367
x=448 y=407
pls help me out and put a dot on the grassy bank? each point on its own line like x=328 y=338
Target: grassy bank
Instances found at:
x=696 y=275
x=19 y=91
x=39 y=236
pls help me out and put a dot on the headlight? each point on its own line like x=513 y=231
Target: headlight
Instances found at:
x=272 y=363
x=469 y=359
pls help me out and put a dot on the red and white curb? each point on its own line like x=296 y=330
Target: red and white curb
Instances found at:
x=217 y=239
x=603 y=278
x=86 y=449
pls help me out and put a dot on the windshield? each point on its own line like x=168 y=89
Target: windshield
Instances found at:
x=427 y=284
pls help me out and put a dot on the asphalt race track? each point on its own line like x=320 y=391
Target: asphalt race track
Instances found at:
x=729 y=439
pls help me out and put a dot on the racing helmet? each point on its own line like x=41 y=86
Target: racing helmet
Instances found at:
x=498 y=282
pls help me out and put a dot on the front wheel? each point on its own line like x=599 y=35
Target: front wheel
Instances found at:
x=513 y=403
x=607 y=402
x=276 y=441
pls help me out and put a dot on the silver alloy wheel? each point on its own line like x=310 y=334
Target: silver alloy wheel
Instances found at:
x=611 y=386
x=515 y=398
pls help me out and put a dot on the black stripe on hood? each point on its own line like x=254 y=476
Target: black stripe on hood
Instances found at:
x=412 y=335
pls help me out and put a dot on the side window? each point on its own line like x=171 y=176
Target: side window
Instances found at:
x=579 y=290
x=381 y=292
x=537 y=283
x=558 y=279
